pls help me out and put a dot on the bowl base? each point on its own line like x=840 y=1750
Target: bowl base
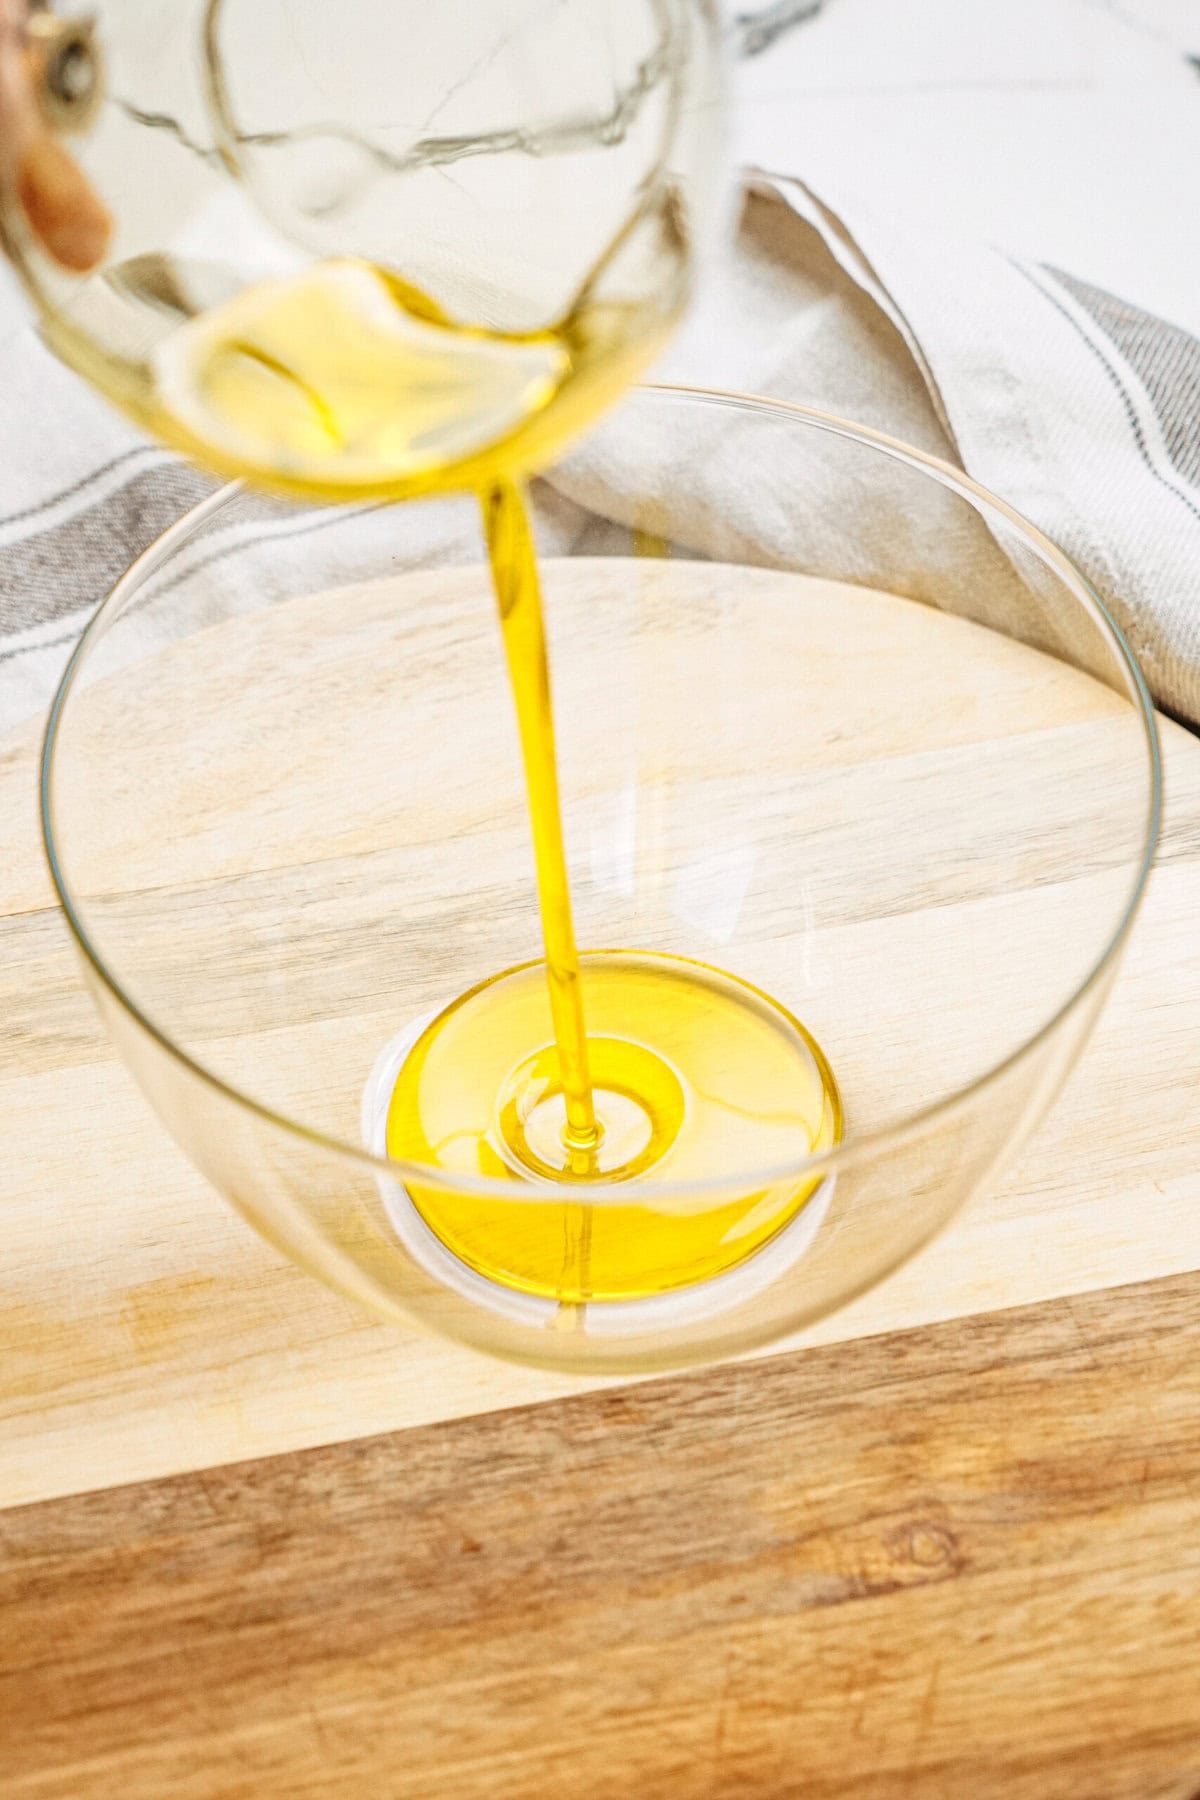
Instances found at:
x=694 y=1073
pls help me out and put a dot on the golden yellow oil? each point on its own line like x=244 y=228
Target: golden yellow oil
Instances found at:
x=344 y=382
x=594 y=1073
x=692 y=1073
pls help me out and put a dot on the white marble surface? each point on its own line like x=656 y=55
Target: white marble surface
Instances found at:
x=1065 y=130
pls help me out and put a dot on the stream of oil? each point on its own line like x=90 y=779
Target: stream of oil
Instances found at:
x=575 y=1081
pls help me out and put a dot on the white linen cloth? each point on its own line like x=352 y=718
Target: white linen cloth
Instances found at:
x=1079 y=410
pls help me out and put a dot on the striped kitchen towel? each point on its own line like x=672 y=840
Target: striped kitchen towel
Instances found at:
x=1078 y=409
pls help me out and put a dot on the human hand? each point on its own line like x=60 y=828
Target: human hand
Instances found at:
x=62 y=209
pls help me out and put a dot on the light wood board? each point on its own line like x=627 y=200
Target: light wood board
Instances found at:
x=144 y=1330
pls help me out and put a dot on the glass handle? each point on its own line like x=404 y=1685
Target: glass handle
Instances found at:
x=67 y=68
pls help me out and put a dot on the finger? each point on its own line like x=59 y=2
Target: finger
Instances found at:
x=62 y=208
x=18 y=114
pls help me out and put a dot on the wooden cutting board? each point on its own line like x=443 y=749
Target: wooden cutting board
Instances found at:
x=941 y=1547
x=959 y=1560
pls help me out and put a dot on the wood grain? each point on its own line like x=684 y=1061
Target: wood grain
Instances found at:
x=959 y=1561
x=145 y=1331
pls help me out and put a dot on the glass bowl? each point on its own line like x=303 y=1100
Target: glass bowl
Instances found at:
x=832 y=719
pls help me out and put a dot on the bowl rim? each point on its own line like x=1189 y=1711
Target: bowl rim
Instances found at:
x=850 y=1150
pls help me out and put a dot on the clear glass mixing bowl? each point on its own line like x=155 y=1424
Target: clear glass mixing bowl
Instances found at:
x=831 y=717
